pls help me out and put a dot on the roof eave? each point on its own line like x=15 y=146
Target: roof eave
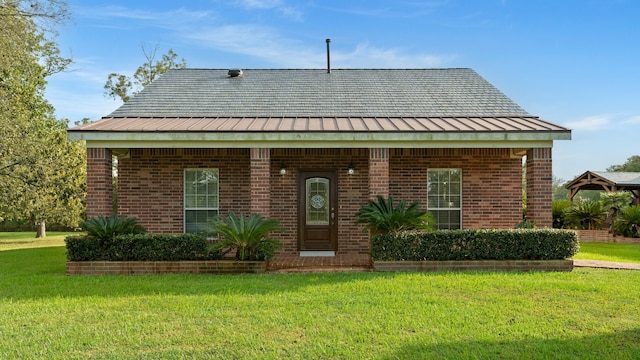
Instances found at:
x=100 y=139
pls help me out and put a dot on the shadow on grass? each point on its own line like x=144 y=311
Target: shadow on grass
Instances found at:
x=615 y=345
x=41 y=273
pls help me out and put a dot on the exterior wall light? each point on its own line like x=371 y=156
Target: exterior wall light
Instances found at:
x=351 y=170
x=283 y=170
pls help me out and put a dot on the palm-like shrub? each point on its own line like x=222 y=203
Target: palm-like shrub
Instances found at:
x=382 y=216
x=587 y=215
x=559 y=211
x=613 y=202
x=628 y=221
x=616 y=200
x=249 y=236
x=107 y=228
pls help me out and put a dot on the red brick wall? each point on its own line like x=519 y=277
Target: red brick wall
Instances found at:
x=378 y=172
x=99 y=183
x=260 y=181
x=353 y=192
x=539 y=184
x=150 y=185
x=491 y=182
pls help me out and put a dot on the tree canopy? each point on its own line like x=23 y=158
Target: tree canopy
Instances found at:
x=632 y=165
x=122 y=87
x=41 y=173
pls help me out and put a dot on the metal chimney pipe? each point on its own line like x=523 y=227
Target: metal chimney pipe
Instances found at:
x=328 y=57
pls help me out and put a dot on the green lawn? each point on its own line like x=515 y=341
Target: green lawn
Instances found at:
x=587 y=314
x=24 y=240
x=609 y=252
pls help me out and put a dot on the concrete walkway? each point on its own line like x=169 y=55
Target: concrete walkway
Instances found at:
x=605 y=264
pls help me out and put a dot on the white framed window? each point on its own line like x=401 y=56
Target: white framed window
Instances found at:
x=201 y=199
x=444 y=197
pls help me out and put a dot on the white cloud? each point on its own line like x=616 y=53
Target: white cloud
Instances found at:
x=268 y=45
x=260 y=4
x=277 y=5
x=255 y=41
x=590 y=123
x=108 y=16
x=632 y=120
x=367 y=56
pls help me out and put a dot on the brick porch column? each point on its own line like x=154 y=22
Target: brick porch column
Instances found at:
x=539 y=186
x=378 y=172
x=99 y=182
x=260 y=181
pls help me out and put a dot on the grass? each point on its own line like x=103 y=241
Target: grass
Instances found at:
x=609 y=252
x=588 y=313
x=24 y=240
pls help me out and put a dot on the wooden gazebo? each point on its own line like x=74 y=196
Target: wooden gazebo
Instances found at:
x=607 y=181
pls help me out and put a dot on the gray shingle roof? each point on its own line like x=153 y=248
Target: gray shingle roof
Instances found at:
x=315 y=93
x=620 y=178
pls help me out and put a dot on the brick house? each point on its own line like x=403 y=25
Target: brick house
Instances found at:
x=309 y=147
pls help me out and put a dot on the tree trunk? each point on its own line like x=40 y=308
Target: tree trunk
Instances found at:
x=41 y=230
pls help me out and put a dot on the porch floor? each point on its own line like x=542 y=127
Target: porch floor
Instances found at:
x=285 y=263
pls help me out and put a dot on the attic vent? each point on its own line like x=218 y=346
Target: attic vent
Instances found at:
x=235 y=72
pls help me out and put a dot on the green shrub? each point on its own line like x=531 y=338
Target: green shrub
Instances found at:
x=84 y=248
x=616 y=199
x=525 y=224
x=104 y=228
x=141 y=247
x=382 y=216
x=628 y=221
x=249 y=236
x=559 y=211
x=587 y=215
x=519 y=244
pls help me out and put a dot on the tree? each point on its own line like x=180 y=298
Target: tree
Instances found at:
x=121 y=86
x=559 y=191
x=632 y=165
x=41 y=173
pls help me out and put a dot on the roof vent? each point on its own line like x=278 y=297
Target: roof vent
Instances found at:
x=328 y=57
x=235 y=72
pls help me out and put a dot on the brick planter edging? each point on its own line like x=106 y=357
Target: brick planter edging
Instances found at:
x=603 y=236
x=164 y=267
x=462 y=265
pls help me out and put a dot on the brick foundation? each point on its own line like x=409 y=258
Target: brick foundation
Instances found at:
x=491 y=265
x=164 y=267
x=322 y=264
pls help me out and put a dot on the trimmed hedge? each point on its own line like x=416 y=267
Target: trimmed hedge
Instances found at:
x=141 y=247
x=517 y=244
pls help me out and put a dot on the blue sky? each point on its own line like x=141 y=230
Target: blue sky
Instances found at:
x=575 y=63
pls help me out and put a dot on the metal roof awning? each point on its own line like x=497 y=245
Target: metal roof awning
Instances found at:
x=503 y=132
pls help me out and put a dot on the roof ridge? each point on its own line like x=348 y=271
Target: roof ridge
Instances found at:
x=320 y=69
